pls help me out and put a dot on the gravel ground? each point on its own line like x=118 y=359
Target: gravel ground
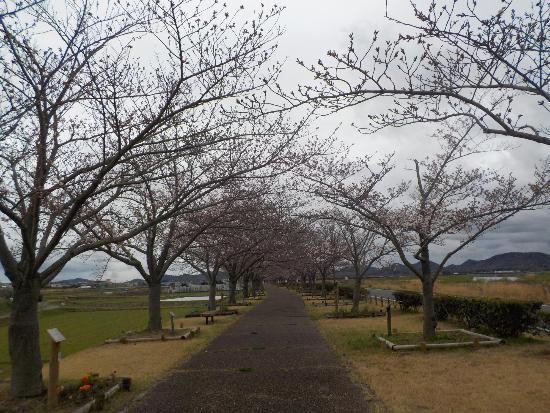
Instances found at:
x=272 y=360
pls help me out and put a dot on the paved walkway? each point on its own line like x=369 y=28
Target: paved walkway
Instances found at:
x=271 y=360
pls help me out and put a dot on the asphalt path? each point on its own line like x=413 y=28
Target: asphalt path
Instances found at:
x=271 y=360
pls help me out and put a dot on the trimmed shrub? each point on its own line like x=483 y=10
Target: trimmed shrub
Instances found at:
x=345 y=291
x=507 y=318
x=408 y=300
x=544 y=320
x=328 y=285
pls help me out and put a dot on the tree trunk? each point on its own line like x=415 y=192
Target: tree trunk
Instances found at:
x=212 y=295
x=232 y=292
x=155 y=318
x=24 y=341
x=311 y=281
x=430 y=322
x=356 y=294
x=324 y=285
x=246 y=292
x=256 y=285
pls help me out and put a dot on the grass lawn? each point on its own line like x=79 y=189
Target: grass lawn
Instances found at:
x=508 y=378
x=89 y=316
x=83 y=329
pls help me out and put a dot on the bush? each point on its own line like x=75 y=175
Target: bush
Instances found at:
x=328 y=285
x=345 y=291
x=408 y=301
x=507 y=318
x=544 y=320
x=6 y=293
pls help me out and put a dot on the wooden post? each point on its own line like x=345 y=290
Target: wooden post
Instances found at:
x=55 y=338
x=388 y=314
x=172 y=315
x=337 y=298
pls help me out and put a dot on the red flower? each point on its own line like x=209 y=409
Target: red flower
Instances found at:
x=85 y=388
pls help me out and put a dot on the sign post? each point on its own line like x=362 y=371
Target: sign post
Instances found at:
x=55 y=338
x=337 y=298
x=172 y=315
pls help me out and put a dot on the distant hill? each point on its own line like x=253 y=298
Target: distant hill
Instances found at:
x=168 y=278
x=73 y=281
x=392 y=269
x=511 y=261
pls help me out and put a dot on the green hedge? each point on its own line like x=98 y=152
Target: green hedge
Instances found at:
x=507 y=318
x=345 y=291
x=408 y=301
x=328 y=285
x=544 y=320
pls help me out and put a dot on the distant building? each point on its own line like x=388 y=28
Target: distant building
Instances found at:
x=183 y=287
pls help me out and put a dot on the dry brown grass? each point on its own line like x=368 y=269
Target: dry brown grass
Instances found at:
x=516 y=290
x=507 y=378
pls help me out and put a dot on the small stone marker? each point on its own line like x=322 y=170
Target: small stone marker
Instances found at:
x=172 y=315
x=55 y=338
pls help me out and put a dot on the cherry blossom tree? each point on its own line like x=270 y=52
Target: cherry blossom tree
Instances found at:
x=79 y=103
x=362 y=247
x=448 y=205
x=195 y=181
x=454 y=61
x=207 y=254
x=250 y=242
x=327 y=248
x=229 y=244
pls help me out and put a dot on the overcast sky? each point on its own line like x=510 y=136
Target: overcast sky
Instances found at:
x=315 y=26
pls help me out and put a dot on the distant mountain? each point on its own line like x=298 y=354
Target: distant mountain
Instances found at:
x=136 y=282
x=392 y=269
x=511 y=261
x=73 y=281
x=168 y=278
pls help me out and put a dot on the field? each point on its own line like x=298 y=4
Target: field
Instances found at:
x=529 y=286
x=508 y=378
x=89 y=316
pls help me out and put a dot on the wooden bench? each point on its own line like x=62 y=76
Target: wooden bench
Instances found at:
x=209 y=315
